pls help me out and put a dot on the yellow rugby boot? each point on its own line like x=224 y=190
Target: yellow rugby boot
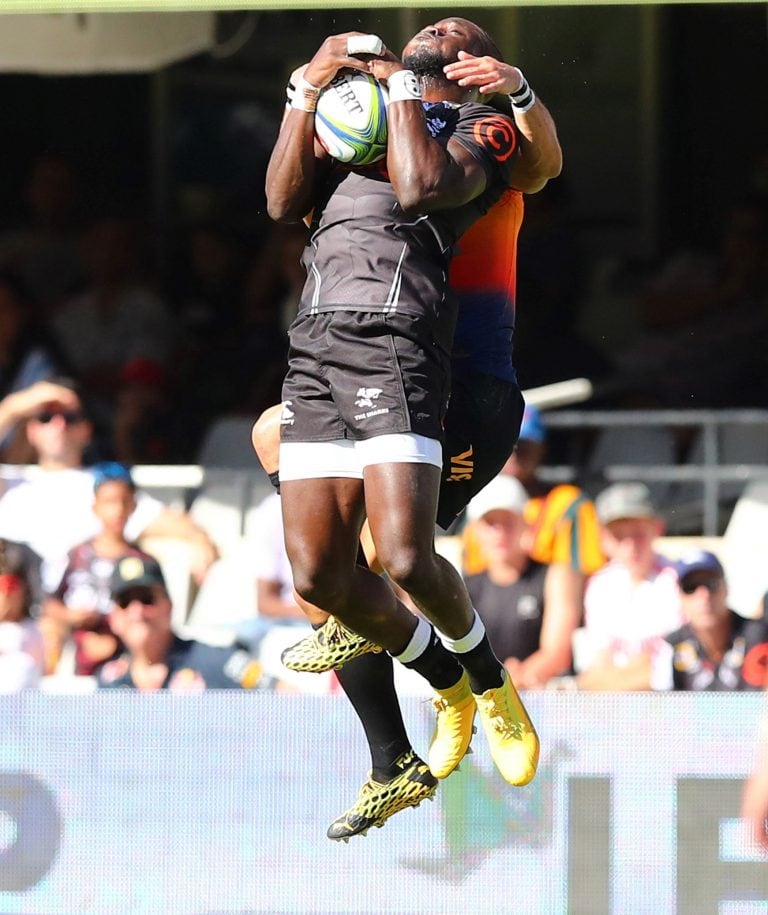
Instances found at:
x=378 y=801
x=328 y=648
x=454 y=727
x=512 y=739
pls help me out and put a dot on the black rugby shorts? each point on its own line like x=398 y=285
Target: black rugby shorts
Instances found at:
x=481 y=429
x=356 y=375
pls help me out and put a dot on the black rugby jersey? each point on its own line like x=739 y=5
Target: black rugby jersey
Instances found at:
x=366 y=254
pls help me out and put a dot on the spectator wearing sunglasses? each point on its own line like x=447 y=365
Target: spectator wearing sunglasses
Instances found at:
x=22 y=650
x=155 y=657
x=52 y=511
x=78 y=610
x=716 y=649
x=632 y=602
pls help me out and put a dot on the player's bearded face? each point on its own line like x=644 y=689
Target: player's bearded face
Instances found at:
x=426 y=61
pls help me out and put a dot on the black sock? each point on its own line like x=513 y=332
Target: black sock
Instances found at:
x=482 y=666
x=369 y=684
x=437 y=665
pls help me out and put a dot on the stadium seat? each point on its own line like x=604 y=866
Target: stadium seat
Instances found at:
x=220 y=505
x=227 y=443
x=226 y=599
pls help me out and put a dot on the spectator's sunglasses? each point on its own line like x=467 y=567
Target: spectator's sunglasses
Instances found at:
x=70 y=417
x=691 y=587
x=144 y=596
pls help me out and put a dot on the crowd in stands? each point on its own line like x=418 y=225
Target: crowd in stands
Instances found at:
x=160 y=346
x=573 y=592
x=167 y=330
x=112 y=356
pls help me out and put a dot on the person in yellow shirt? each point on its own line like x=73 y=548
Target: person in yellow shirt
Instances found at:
x=562 y=517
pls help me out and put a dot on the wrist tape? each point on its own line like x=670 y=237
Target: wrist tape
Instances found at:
x=403 y=86
x=305 y=96
x=522 y=99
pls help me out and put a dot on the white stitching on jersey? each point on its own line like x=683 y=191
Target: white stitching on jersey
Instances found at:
x=390 y=306
x=313 y=308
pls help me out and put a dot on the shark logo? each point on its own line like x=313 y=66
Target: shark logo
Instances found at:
x=287 y=415
x=366 y=396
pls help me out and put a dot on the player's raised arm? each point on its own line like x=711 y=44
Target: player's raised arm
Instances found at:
x=425 y=174
x=292 y=167
x=540 y=156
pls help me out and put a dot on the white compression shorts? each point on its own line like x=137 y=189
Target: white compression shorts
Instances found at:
x=345 y=458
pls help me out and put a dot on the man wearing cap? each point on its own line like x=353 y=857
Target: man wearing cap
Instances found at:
x=60 y=432
x=716 y=649
x=564 y=526
x=155 y=657
x=529 y=627
x=632 y=602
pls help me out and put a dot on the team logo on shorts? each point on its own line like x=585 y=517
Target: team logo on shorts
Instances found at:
x=366 y=396
x=287 y=415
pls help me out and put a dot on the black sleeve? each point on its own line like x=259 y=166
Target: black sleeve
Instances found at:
x=490 y=136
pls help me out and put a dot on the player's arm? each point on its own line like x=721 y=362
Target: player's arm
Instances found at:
x=271 y=604
x=425 y=174
x=541 y=157
x=293 y=165
x=563 y=593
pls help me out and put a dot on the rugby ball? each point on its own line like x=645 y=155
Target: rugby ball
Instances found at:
x=351 y=118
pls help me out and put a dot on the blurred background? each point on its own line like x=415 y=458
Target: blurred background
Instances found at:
x=661 y=115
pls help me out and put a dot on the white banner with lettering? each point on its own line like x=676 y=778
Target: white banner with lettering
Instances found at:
x=120 y=803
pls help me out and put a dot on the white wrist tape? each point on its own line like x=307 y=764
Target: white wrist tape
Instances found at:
x=364 y=44
x=305 y=96
x=522 y=99
x=403 y=86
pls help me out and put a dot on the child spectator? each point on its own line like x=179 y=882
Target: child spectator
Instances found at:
x=22 y=651
x=79 y=607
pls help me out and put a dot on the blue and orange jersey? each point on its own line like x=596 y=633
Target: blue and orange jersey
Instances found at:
x=483 y=274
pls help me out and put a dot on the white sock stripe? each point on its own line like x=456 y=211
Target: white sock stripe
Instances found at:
x=467 y=642
x=419 y=641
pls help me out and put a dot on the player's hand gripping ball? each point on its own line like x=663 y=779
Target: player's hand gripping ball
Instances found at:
x=351 y=118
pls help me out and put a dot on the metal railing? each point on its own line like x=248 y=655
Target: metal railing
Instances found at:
x=710 y=471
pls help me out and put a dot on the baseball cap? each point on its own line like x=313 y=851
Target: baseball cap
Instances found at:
x=532 y=427
x=135 y=572
x=624 y=500
x=699 y=561
x=110 y=471
x=503 y=492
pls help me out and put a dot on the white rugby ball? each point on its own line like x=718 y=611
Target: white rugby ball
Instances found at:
x=351 y=118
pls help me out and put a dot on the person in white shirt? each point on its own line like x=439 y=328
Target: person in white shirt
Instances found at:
x=53 y=510
x=632 y=602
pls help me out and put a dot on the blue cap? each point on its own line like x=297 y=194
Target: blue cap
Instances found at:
x=699 y=561
x=110 y=471
x=532 y=428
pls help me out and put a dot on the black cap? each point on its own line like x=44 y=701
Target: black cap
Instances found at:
x=135 y=571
